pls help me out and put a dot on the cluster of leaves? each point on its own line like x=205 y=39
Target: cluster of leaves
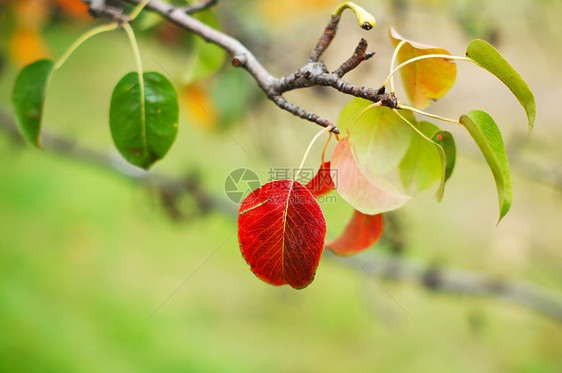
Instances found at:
x=282 y=230
x=386 y=156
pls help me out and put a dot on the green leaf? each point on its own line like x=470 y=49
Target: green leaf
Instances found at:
x=426 y=80
x=380 y=137
x=28 y=98
x=421 y=166
x=143 y=135
x=490 y=59
x=448 y=153
x=206 y=58
x=487 y=136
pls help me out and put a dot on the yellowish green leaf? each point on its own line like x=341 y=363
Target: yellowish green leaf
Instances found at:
x=490 y=59
x=421 y=166
x=487 y=136
x=380 y=137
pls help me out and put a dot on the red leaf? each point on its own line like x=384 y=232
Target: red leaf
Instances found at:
x=361 y=232
x=281 y=231
x=322 y=183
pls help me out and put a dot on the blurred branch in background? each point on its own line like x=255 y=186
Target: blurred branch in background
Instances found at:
x=458 y=282
x=170 y=190
x=434 y=278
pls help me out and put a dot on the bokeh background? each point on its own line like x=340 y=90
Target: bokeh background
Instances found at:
x=90 y=247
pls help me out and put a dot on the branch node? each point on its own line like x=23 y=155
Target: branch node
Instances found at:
x=389 y=100
x=239 y=61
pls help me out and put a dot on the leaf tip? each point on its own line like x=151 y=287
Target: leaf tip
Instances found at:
x=503 y=213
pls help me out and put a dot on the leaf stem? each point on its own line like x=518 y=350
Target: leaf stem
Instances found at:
x=444 y=56
x=365 y=19
x=442 y=155
x=308 y=150
x=88 y=34
x=361 y=114
x=404 y=107
x=326 y=146
x=393 y=62
x=134 y=14
x=134 y=45
x=413 y=127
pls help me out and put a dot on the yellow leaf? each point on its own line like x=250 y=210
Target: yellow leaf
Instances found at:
x=426 y=80
x=27 y=45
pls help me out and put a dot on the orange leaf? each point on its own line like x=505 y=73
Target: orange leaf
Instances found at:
x=27 y=45
x=73 y=8
x=360 y=233
x=322 y=183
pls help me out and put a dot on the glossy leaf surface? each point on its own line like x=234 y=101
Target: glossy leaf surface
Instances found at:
x=380 y=137
x=364 y=191
x=426 y=80
x=421 y=166
x=143 y=134
x=322 y=183
x=490 y=59
x=361 y=232
x=281 y=231
x=28 y=98
x=487 y=136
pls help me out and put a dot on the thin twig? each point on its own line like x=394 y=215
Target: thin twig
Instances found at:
x=325 y=39
x=312 y=74
x=359 y=56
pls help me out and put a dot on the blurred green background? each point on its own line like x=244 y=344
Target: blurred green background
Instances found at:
x=88 y=254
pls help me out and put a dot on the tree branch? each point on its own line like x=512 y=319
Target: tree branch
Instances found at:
x=314 y=73
x=325 y=39
x=456 y=281
x=359 y=56
x=191 y=9
x=452 y=281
